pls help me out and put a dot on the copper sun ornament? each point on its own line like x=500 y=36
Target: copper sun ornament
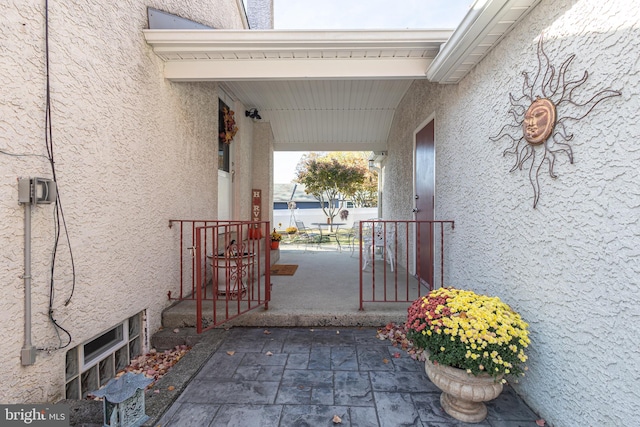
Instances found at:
x=548 y=102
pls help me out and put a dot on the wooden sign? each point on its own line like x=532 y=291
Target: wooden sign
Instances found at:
x=256 y=205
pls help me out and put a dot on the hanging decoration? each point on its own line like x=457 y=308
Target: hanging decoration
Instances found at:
x=229 y=126
x=548 y=103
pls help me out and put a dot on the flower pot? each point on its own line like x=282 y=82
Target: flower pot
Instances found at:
x=233 y=272
x=275 y=244
x=463 y=394
x=255 y=233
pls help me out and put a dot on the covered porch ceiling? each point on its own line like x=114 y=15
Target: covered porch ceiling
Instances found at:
x=332 y=90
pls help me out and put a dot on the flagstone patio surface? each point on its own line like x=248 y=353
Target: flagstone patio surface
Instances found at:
x=306 y=376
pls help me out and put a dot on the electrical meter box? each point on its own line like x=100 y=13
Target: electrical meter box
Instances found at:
x=37 y=190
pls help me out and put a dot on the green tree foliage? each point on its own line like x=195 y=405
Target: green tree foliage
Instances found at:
x=330 y=181
x=366 y=194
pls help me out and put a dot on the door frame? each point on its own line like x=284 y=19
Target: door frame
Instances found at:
x=430 y=117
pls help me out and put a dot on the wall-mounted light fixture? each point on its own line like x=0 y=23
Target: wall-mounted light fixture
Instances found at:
x=253 y=113
x=375 y=160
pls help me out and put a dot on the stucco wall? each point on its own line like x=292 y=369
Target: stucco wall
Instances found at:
x=260 y=14
x=263 y=166
x=571 y=267
x=132 y=151
x=242 y=164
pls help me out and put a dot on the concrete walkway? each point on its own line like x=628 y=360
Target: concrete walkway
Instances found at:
x=324 y=291
x=306 y=376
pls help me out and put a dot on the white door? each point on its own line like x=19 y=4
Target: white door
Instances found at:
x=224 y=195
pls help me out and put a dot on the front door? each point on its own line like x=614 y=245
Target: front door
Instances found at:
x=225 y=174
x=424 y=202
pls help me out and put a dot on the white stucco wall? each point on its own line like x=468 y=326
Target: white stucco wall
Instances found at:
x=571 y=267
x=132 y=151
x=260 y=14
x=263 y=166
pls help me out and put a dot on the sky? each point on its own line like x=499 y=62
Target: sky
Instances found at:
x=359 y=15
x=369 y=14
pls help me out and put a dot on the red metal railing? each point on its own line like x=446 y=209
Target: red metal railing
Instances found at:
x=225 y=267
x=412 y=255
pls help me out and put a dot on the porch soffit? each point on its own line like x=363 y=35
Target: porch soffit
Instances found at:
x=320 y=90
x=333 y=90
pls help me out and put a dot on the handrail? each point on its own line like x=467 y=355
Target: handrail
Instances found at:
x=401 y=244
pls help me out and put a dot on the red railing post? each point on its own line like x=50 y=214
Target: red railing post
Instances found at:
x=393 y=247
x=198 y=263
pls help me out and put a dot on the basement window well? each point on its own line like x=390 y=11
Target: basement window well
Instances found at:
x=93 y=363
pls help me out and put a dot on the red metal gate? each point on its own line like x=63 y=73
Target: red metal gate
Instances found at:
x=398 y=278
x=226 y=269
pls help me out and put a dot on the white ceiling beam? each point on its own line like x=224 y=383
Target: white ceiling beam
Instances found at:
x=294 y=69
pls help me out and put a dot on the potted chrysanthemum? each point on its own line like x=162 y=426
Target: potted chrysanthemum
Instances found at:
x=291 y=230
x=275 y=239
x=475 y=339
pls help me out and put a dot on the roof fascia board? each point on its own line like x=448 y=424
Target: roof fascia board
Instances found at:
x=478 y=22
x=265 y=40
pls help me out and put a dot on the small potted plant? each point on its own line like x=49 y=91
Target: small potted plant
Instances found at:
x=291 y=230
x=275 y=239
x=471 y=339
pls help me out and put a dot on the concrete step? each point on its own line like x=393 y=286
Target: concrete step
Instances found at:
x=168 y=338
x=183 y=314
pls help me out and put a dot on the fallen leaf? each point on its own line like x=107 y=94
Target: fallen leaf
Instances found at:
x=338 y=332
x=337 y=420
x=267 y=332
x=231 y=352
x=156 y=391
x=268 y=353
x=171 y=388
x=540 y=422
x=385 y=360
x=396 y=355
x=176 y=330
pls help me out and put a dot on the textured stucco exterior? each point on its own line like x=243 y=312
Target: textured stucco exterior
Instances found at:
x=571 y=267
x=263 y=167
x=260 y=14
x=132 y=150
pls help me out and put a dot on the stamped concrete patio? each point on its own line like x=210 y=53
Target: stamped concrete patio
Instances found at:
x=319 y=357
x=306 y=376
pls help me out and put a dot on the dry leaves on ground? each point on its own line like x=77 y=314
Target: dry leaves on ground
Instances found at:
x=154 y=364
x=397 y=334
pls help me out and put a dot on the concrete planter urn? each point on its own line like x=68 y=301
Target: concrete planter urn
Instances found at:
x=463 y=394
x=234 y=271
x=480 y=335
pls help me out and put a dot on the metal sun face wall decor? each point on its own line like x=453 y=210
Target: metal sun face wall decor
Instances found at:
x=539 y=134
